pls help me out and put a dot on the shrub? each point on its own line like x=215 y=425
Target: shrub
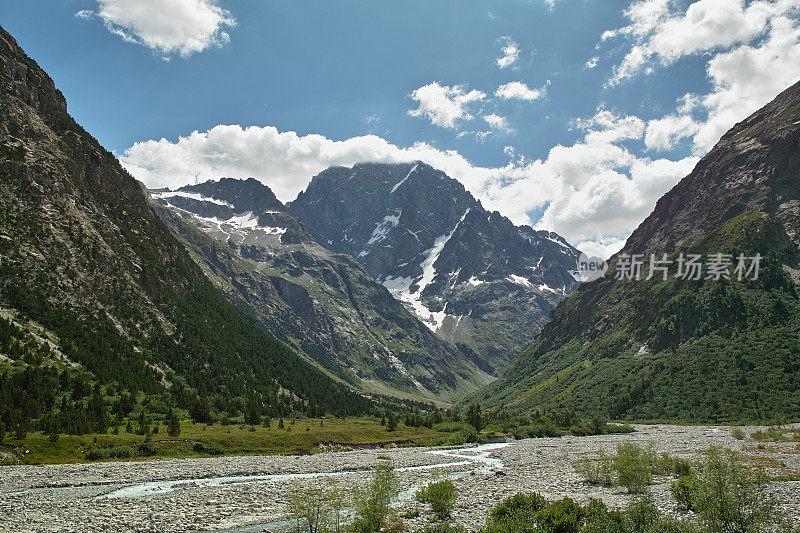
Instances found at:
x=563 y=516
x=441 y=495
x=210 y=449
x=121 y=452
x=738 y=434
x=683 y=490
x=147 y=448
x=619 y=428
x=597 y=470
x=95 y=454
x=373 y=508
x=515 y=514
x=728 y=496
x=312 y=507
x=633 y=466
x=465 y=436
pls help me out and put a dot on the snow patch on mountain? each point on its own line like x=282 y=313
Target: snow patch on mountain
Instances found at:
x=402 y=181
x=519 y=280
x=192 y=196
x=381 y=230
x=400 y=287
x=475 y=282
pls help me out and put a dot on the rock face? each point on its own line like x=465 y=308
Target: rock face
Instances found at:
x=690 y=349
x=470 y=275
x=323 y=304
x=83 y=254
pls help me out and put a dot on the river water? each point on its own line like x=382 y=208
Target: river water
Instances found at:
x=478 y=457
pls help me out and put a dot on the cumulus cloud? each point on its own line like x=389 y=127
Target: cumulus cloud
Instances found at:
x=591 y=62
x=498 y=122
x=664 y=133
x=510 y=51
x=517 y=89
x=758 y=41
x=594 y=191
x=444 y=105
x=664 y=36
x=167 y=26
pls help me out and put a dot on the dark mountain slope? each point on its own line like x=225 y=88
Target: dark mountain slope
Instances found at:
x=689 y=349
x=324 y=305
x=84 y=255
x=470 y=275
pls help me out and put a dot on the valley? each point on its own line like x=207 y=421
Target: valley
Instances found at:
x=251 y=492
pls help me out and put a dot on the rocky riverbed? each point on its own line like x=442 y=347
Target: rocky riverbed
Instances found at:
x=233 y=492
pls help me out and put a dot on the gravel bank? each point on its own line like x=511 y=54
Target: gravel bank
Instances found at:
x=75 y=497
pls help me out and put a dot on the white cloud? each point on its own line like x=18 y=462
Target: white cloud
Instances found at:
x=774 y=64
x=444 y=105
x=592 y=191
x=664 y=133
x=510 y=52
x=167 y=26
x=603 y=248
x=498 y=122
x=688 y=103
x=757 y=41
x=662 y=36
x=591 y=62
x=517 y=89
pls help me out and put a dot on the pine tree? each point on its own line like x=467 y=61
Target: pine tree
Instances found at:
x=391 y=424
x=253 y=414
x=173 y=424
x=474 y=416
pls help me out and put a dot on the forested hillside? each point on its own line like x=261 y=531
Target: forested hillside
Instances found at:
x=86 y=261
x=703 y=347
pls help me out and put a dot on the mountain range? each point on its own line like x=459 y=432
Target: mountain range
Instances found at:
x=383 y=280
x=323 y=305
x=470 y=275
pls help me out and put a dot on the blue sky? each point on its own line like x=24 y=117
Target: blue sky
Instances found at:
x=610 y=103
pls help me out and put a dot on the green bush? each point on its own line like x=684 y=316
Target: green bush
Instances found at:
x=619 y=428
x=373 y=507
x=738 y=434
x=95 y=454
x=121 y=452
x=465 y=436
x=563 y=516
x=210 y=449
x=728 y=496
x=147 y=448
x=441 y=495
x=316 y=507
x=597 y=469
x=634 y=467
x=683 y=490
x=515 y=514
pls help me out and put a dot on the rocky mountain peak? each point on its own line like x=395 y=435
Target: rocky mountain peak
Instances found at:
x=467 y=273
